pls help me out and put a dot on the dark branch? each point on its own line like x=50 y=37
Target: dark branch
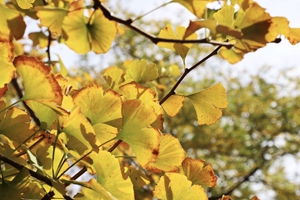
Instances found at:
x=154 y=39
x=186 y=71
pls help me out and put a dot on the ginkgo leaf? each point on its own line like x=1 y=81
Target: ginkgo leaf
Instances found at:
x=42 y=94
x=7 y=69
x=294 y=36
x=99 y=106
x=181 y=49
x=81 y=134
x=230 y=55
x=113 y=77
x=39 y=38
x=103 y=110
x=83 y=34
x=135 y=131
x=177 y=187
x=208 y=103
x=170 y=156
x=15 y=124
x=52 y=17
x=194 y=6
x=92 y=191
x=134 y=90
x=225 y=16
x=25 y=4
x=11 y=23
x=110 y=176
x=140 y=72
x=173 y=104
x=198 y=173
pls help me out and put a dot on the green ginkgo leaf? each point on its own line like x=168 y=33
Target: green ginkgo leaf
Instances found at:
x=83 y=34
x=208 y=103
x=140 y=72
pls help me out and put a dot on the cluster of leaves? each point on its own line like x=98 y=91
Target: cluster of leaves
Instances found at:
x=114 y=129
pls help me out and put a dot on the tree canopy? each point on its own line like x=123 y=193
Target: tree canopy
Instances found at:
x=141 y=127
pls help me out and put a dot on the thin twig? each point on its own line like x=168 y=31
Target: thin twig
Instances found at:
x=186 y=71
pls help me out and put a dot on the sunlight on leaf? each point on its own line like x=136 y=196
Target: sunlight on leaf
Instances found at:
x=113 y=77
x=110 y=176
x=208 y=103
x=196 y=25
x=181 y=49
x=198 y=173
x=173 y=104
x=143 y=139
x=194 y=6
x=84 y=34
x=42 y=94
x=170 y=156
x=230 y=55
x=176 y=187
x=141 y=71
x=7 y=69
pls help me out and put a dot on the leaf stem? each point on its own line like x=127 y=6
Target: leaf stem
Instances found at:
x=186 y=71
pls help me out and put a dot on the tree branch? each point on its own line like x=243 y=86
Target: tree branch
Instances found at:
x=186 y=71
x=153 y=38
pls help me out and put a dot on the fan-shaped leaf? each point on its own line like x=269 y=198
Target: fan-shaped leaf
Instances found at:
x=110 y=176
x=194 y=6
x=83 y=34
x=177 y=187
x=135 y=131
x=198 y=173
x=170 y=156
x=173 y=104
x=208 y=103
x=140 y=72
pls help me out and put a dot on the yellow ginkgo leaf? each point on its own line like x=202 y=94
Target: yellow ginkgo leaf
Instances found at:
x=52 y=18
x=194 y=6
x=103 y=110
x=208 y=103
x=25 y=4
x=198 y=173
x=294 y=36
x=140 y=72
x=143 y=140
x=111 y=177
x=134 y=90
x=170 y=156
x=181 y=49
x=113 y=77
x=138 y=178
x=230 y=55
x=173 y=104
x=7 y=69
x=84 y=34
x=177 y=187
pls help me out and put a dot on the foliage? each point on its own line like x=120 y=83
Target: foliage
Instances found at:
x=113 y=127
